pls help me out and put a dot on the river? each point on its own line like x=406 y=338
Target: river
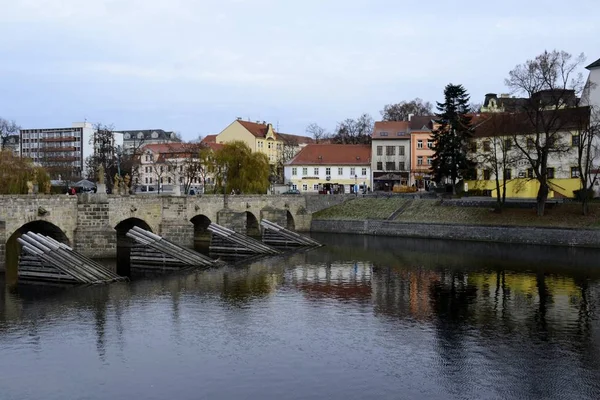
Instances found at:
x=361 y=318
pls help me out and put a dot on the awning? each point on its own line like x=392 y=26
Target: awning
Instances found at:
x=84 y=183
x=390 y=177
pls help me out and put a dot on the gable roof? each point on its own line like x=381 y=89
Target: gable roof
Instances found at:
x=391 y=130
x=258 y=130
x=286 y=137
x=503 y=124
x=422 y=122
x=333 y=154
x=209 y=139
x=595 y=64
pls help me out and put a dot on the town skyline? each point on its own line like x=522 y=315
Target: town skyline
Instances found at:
x=152 y=67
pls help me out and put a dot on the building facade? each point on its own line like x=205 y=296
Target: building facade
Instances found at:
x=330 y=169
x=421 y=143
x=262 y=138
x=61 y=151
x=13 y=142
x=591 y=93
x=497 y=149
x=390 y=155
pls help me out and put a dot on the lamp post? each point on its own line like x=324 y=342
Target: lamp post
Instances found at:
x=224 y=186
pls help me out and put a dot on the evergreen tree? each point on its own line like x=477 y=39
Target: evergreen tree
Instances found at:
x=451 y=139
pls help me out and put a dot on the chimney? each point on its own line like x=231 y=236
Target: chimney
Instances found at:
x=410 y=117
x=239 y=118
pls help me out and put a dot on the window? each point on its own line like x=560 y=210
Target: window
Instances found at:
x=401 y=133
x=420 y=160
x=379 y=166
x=390 y=150
x=352 y=171
x=430 y=143
x=161 y=180
x=401 y=150
x=169 y=180
x=575 y=140
x=294 y=171
x=507 y=144
x=574 y=171
x=340 y=171
x=161 y=170
x=316 y=186
x=364 y=172
x=486 y=174
x=383 y=133
x=304 y=171
x=304 y=187
x=550 y=173
x=419 y=144
x=530 y=143
x=150 y=179
x=379 y=150
x=401 y=166
x=530 y=173
x=486 y=146
x=390 y=166
x=316 y=171
x=507 y=174
x=327 y=171
x=260 y=144
x=429 y=160
x=146 y=179
x=269 y=145
x=295 y=187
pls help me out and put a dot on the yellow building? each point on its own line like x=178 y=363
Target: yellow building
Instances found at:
x=500 y=140
x=261 y=137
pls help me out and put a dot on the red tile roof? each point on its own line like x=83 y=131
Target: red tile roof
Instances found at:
x=209 y=139
x=333 y=154
x=166 y=147
x=391 y=130
x=258 y=130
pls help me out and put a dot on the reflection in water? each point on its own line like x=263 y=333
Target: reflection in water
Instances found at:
x=359 y=318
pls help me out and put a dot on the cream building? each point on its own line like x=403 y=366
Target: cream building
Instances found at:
x=261 y=137
x=330 y=168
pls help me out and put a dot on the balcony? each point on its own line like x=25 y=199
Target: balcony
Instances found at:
x=59 y=139
x=57 y=149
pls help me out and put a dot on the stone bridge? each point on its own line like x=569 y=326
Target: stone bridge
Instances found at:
x=91 y=223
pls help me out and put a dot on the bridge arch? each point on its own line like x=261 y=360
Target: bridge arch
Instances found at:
x=252 y=225
x=13 y=248
x=290 y=223
x=124 y=243
x=201 y=233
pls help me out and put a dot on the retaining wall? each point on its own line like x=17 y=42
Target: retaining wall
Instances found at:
x=481 y=233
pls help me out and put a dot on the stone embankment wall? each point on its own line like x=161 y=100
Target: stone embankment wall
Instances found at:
x=499 y=234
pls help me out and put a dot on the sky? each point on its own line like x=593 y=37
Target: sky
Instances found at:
x=193 y=66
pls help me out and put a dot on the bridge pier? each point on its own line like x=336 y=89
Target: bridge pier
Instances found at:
x=94 y=236
x=235 y=221
x=180 y=233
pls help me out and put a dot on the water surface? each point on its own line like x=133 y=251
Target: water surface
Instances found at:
x=362 y=318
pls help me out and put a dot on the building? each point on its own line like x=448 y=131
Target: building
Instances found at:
x=495 y=150
x=133 y=140
x=61 y=151
x=13 y=142
x=261 y=137
x=421 y=143
x=390 y=157
x=163 y=165
x=591 y=93
x=330 y=168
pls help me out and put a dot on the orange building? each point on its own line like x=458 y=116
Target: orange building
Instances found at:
x=421 y=151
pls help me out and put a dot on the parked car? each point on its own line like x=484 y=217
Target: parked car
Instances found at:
x=292 y=191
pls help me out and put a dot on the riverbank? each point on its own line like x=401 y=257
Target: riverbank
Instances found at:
x=431 y=219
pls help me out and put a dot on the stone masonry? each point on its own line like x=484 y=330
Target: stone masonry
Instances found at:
x=89 y=220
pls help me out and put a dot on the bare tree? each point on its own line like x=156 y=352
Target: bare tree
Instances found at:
x=354 y=131
x=499 y=154
x=287 y=149
x=401 y=111
x=551 y=83
x=475 y=108
x=588 y=154
x=7 y=129
x=316 y=132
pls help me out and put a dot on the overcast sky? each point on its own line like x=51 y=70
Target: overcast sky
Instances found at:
x=193 y=66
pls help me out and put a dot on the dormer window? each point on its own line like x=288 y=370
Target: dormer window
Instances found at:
x=126 y=136
x=401 y=133
x=155 y=135
x=383 y=134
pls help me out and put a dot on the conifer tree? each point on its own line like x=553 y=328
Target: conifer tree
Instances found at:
x=451 y=139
